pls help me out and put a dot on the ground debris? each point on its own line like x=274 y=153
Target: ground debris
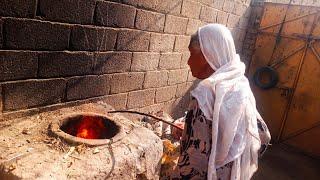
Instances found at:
x=171 y=145
x=26 y=131
x=8 y=168
x=96 y=150
x=69 y=152
x=170 y=157
x=56 y=143
x=81 y=148
x=160 y=129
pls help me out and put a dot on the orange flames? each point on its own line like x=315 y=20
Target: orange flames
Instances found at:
x=88 y=128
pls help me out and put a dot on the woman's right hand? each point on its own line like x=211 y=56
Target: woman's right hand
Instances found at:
x=177 y=133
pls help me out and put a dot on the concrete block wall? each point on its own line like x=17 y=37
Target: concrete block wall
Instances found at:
x=131 y=54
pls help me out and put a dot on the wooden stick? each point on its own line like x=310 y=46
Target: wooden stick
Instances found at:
x=144 y=114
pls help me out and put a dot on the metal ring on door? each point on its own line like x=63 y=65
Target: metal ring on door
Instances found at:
x=273 y=77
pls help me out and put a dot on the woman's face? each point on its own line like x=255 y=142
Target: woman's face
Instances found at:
x=198 y=64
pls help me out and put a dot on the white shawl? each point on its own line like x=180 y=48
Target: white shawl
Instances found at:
x=226 y=99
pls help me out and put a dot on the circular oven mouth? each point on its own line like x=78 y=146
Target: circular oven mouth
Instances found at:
x=87 y=128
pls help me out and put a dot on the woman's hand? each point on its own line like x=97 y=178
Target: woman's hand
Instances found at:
x=177 y=133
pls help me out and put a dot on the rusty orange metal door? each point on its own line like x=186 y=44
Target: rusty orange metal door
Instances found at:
x=289 y=42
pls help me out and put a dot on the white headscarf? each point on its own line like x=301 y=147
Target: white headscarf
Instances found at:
x=226 y=99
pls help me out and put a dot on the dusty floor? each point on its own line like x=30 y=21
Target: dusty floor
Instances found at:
x=283 y=163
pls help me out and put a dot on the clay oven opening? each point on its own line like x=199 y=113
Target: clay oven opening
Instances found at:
x=90 y=127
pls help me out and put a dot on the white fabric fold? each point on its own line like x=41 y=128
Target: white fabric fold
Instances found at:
x=226 y=99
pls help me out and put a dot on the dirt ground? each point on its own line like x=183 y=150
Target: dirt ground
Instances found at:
x=281 y=162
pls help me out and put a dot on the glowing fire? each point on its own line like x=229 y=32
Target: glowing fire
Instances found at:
x=88 y=128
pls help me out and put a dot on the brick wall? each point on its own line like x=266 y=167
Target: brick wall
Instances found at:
x=131 y=54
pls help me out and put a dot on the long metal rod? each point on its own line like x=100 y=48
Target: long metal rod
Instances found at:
x=295 y=84
x=286 y=57
x=278 y=37
x=255 y=43
x=144 y=114
x=289 y=20
x=297 y=133
x=283 y=35
x=285 y=117
x=315 y=53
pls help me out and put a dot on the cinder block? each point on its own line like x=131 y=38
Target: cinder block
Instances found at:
x=169 y=6
x=118 y=101
x=88 y=38
x=18 y=8
x=238 y=44
x=156 y=79
x=240 y=8
x=243 y=22
x=228 y=6
x=208 y=2
x=62 y=64
x=16 y=65
x=235 y=32
x=246 y=45
x=115 y=14
x=34 y=34
x=247 y=2
x=193 y=26
x=152 y=108
x=190 y=77
x=177 y=76
x=182 y=89
x=163 y=6
x=33 y=93
x=149 y=21
x=182 y=43
x=165 y=94
x=191 y=9
x=133 y=40
x=175 y=25
x=248 y=11
x=222 y=17
x=170 y=108
x=208 y=14
x=179 y=106
x=218 y=4
x=141 y=98
x=233 y=21
x=192 y=85
x=170 y=60
x=87 y=87
x=73 y=11
x=150 y=4
x=242 y=34
x=124 y=82
x=184 y=60
x=112 y=62
x=161 y=42
x=145 y=61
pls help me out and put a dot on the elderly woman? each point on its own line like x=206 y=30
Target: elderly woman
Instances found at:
x=223 y=133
